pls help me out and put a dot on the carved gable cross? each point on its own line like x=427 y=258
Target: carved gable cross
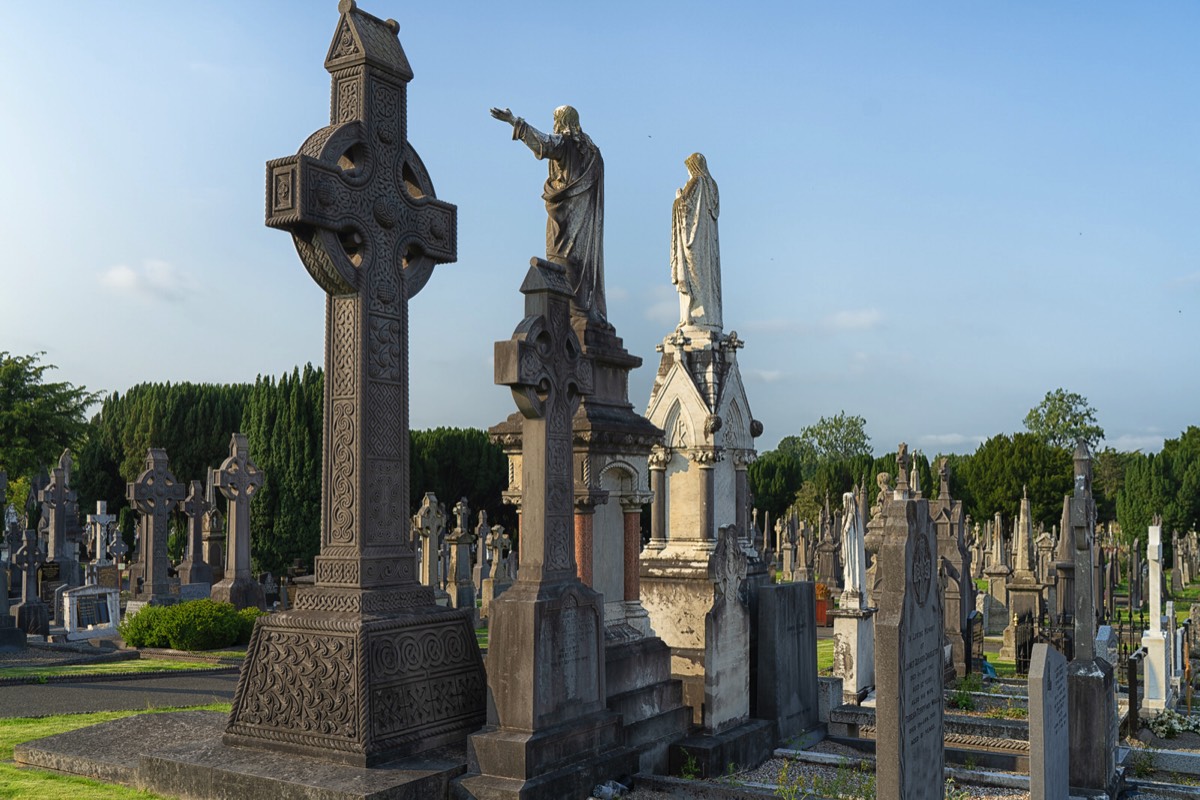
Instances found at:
x=548 y=373
x=366 y=223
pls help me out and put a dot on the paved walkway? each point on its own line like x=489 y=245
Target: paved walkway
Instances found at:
x=36 y=700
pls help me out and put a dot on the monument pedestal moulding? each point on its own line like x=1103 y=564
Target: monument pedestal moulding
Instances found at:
x=366 y=668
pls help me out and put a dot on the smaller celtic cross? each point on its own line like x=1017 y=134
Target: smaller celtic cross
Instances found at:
x=431 y=524
x=548 y=373
x=194 y=568
x=239 y=480
x=154 y=495
x=28 y=558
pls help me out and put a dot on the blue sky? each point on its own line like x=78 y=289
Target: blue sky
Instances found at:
x=930 y=217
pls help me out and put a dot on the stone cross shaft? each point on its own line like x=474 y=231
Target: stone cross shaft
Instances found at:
x=99 y=523
x=195 y=507
x=1083 y=522
x=154 y=496
x=54 y=499
x=366 y=223
x=239 y=480
x=548 y=373
x=28 y=558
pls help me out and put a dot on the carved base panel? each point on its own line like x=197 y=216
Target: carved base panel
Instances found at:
x=242 y=592
x=359 y=689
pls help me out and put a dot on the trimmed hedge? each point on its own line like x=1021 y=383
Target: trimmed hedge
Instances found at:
x=194 y=625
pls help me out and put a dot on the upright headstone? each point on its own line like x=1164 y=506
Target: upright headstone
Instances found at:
x=154 y=496
x=365 y=668
x=31 y=614
x=787 y=658
x=727 y=639
x=11 y=637
x=91 y=612
x=430 y=523
x=1024 y=592
x=853 y=623
x=482 y=569
x=462 y=591
x=1091 y=684
x=99 y=525
x=495 y=584
x=546 y=643
x=908 y=654
x=212 y=530
x=1157 y=688
x=1049 y=745
x=239 y=480
x=194 y=568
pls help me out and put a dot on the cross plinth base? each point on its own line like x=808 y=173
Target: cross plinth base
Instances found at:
x=550 y=735
x=32 y=617
x=242 y=591
x=359 y=688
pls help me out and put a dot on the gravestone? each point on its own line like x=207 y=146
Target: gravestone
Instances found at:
x=194 y=591
x=1091 y=684
x=908 y=652
x=546 y=645
x=787 y=658
x=462 y=593
x=154 y=496
x=365 y=668
x=430 y=524
x=239 y=480
x=194 y=568
x=212 y=530
x=1049 y=746
x=853 y=623
x=91 y=612
x=11 y=637
x=100 y=526
x=1157 y=689
x=499 y=580
x=59 y=504
x=32 y=615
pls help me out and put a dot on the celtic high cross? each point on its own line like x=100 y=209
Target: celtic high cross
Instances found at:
x=548 y=374
x=239 y=480
x=154 y=495
x=362 y=213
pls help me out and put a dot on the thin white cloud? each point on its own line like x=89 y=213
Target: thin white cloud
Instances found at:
x=617 y=294
x=863 y=319
x=664 y=306
x=765 y=375
x=1128 y=442
x=155 y=280
x=949 y=439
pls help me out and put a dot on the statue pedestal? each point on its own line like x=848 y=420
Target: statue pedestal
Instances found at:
x=854 y=651
x=1156 y=693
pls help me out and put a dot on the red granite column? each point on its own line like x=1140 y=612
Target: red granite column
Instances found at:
x=633 y=548
x=583 y=545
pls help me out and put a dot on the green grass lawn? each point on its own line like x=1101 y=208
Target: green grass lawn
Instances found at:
x=824 y=654
x=17 y=782
x=106 y=668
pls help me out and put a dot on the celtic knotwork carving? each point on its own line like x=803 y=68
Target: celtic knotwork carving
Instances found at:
x=337 y=572
x=343 y=500
x=557 y=547
x=384 y=350
x=385 y=292
x=349 y=104
x=386 y=103
x=385 y=502
x=386 y=414
x=301 y=682
x=418 y=704
x=346 y=45
x=344 y=318
x=922 y=569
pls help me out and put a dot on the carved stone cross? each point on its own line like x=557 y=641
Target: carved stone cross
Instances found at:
x=28 y=558
x=194 y=568
x=99 y=523
x=482 y=562
x=154 y=495
x=431 y=526
x=239 y=480
x=363 y=215
x=460 y=586
x=548 y=373
x=54 y=499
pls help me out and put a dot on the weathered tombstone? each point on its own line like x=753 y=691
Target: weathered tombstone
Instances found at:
x=546 y=645
x=482 y=569
x=239 y=480
x=154 y=496
x=1091 y=683
x=99 y=525
x=194 y=568
x=787 y=658
x=462 y=593
x=59 y=504
x=908 y=652
x=1049 y=746
x=11 y=637
x=430 y=522
x=396 y=675
x=91 y=612
x=495 y=585
x=32 y=614
x=212 y=530
x=1024 y=591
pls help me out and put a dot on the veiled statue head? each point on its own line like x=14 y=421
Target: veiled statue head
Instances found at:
x=566 y=120
x=696 y=165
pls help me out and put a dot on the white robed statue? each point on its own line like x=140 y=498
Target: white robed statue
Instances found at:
x=854 y=573
x=695 y=248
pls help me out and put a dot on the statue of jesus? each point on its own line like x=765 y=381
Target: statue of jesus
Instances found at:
x=574 y=196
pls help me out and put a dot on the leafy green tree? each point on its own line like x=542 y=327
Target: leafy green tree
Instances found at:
x=38 y=418
x=1001 y=468
x=460 y=462
x=1063 y=418
x=837 y=437
x=774 y=480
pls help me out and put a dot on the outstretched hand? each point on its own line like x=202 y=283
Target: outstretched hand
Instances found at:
x=503 y=114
